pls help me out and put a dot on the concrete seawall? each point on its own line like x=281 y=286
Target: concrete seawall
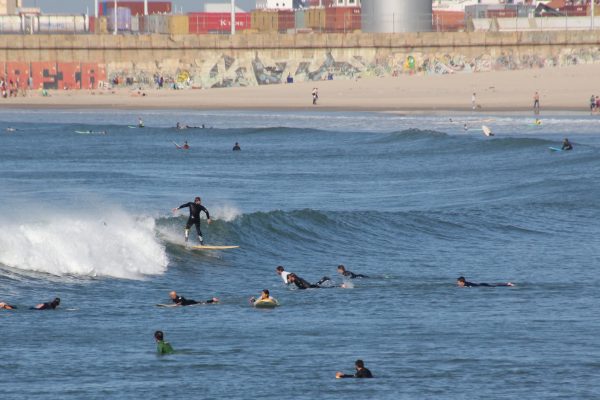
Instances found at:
x=74 y=61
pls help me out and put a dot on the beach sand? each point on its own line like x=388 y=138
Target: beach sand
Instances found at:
x=567 y=89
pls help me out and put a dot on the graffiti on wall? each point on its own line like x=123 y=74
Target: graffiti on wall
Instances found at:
x=54 y=75
x=251 y=68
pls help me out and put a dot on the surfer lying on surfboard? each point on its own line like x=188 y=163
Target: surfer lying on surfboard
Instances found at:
x=348 y=274
x=303 y=284
x=182 y=301
x=184 y=146
x=462 y=282
x=566 y=145
x=6 y=306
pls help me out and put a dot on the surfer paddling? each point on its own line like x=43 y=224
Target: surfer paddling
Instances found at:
x=51 y=305
x=304 y=284
x=6 y=306
x=348 y=274
x=182 y=301
x=265 y=297
x=195 y=208
x=566 y=145
x=361 y=371
x=462 y=282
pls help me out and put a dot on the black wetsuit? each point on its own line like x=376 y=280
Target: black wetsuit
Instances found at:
x=471 y=284
x=182 y=301
x=236 y=148
x=303 y=284
x=567 y=146
x=361 y=373
x=47 y=306
x=352 y=275
x=194 y=218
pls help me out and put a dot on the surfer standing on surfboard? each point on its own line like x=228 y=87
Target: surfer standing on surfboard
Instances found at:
x=195 y=208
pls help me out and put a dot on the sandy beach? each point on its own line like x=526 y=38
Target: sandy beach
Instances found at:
x=566 y=89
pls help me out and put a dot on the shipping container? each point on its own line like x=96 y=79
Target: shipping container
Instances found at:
x=18 y=72
x=299 y=22
x=218 y=22
x=285 y=20
x=342 y=19
x=136 y=7
x=102 y=25
x=265 y=21
x=179 y=25
x=135 y=24
x=123 y=20
x=92 y=24
x=61 y=24
x=10 y=24
x=506 y=13
x=445 y=21
x=315 y=19
x=156 y=23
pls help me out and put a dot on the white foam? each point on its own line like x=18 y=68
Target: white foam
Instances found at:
x=113 y=244
x=225 y=212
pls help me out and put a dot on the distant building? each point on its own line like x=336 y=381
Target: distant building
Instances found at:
x=9 y=7
x=274 y=4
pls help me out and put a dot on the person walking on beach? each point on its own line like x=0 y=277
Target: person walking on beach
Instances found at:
x=315 y=95
x=592 y=104
x=195 y=208
x=536 y=103
x=474 y=101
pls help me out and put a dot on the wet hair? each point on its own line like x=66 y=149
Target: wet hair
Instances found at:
x=266 y=291
x=359 y=363
x=158 y=335
x=461 y=279
x=197 y=199
x=341 y=266
x=279 y=268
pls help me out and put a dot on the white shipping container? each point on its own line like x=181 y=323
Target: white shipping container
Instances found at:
x=10 y=24
x=135 y=24
x=61 y=23
x=158 y=24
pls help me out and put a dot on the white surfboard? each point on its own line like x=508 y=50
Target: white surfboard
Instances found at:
x=209 y=247
x=487 y=131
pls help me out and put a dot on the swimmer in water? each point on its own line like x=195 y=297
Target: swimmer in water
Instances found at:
x=303 y=284
x=236 y=147
x=361 y=371
x=140 y=122
x=182 y=301
x=48 y=306
x=462 y=282
x=162 y=347
x=567 y=145
x=349 y=274
x=6 y=306
x=264 y=296
x=283 y=274
x=185 y=146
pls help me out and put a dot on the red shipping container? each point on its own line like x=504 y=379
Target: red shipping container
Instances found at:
x=18 y=72
x=574 y=11
x=342 y=19
x=444 y=21
x=91 y=75
x=217 y=22
x=69 y=75
x=502 y=13
x=285 y=20
x=92 y=25
x=44 y=75
x=136 y=7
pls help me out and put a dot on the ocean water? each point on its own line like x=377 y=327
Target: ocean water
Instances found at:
x=412 y=201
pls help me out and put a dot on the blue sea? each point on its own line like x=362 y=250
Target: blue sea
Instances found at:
x=412 y=201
